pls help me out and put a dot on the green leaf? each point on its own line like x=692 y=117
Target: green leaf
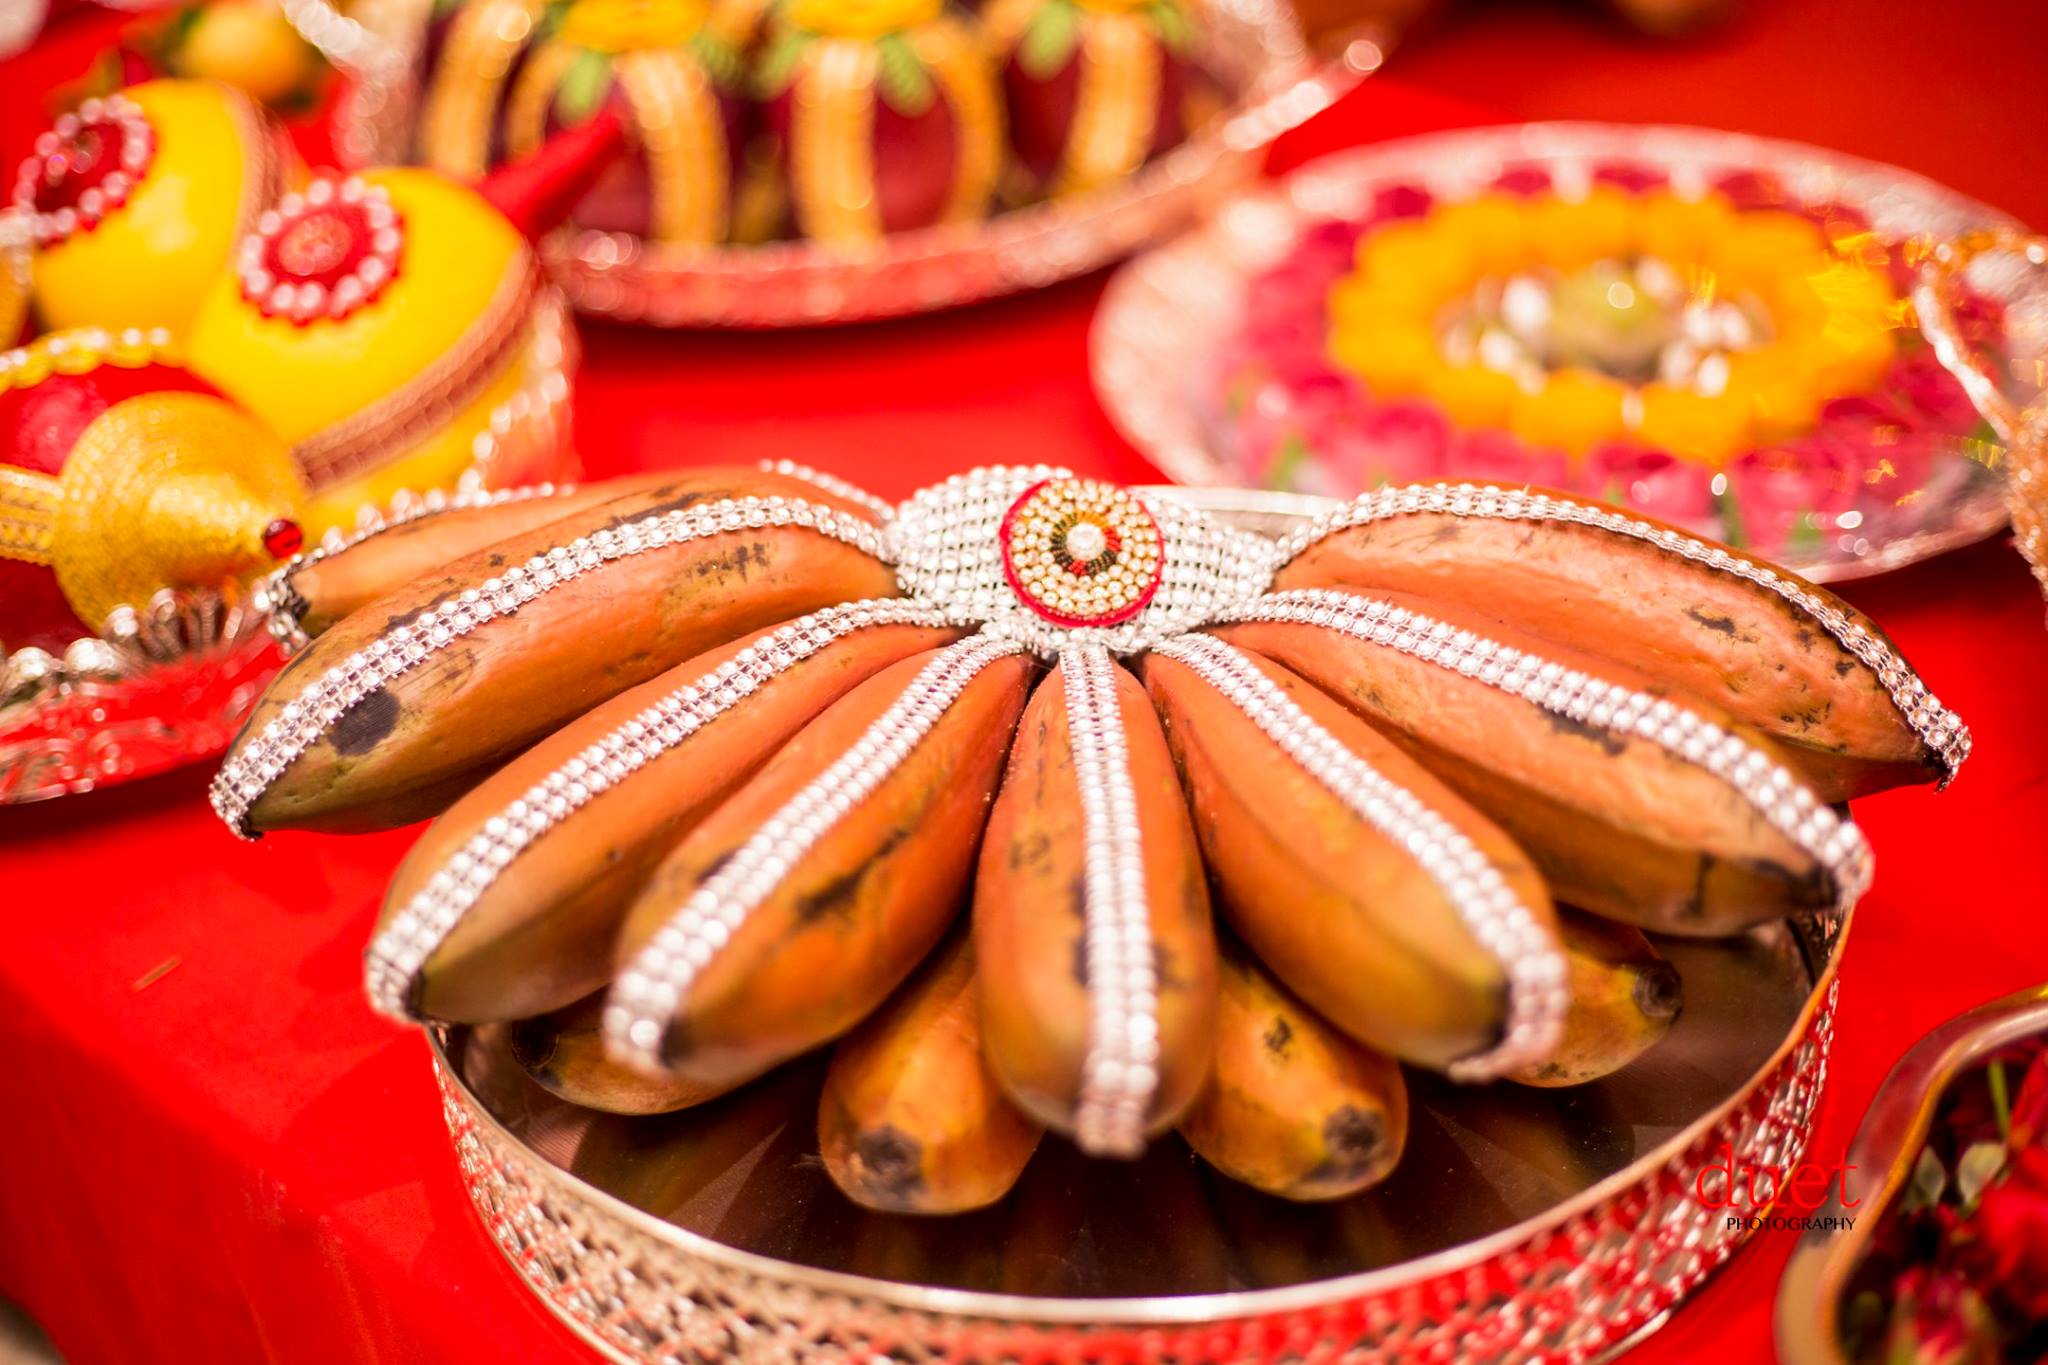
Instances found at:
x=778 y=64
x=1049 y=42
x=549 y=23
x=585 y=82
x=181 y=25
x=2001 y=1104
x=720 y=60
x=1287 y=463
x=1170 y=22
x=1978 y=1166
x=1863 y=1323
x=1732 y=529
x=1806 y=535
x=905 y=84
x=1923 y=1191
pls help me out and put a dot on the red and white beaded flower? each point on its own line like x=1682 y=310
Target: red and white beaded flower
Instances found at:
x=84 y=167
x=324 y=253
x=1081 y=553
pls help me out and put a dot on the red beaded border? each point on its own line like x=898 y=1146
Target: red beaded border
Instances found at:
x=1144 y=598
x=137 y=152
x=361 y=208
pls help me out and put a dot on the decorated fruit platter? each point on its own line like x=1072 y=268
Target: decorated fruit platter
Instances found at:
x=1730 y=333
x=811 y=163
x=1042 y=917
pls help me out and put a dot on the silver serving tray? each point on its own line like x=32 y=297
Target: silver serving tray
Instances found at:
x=1522 y=1224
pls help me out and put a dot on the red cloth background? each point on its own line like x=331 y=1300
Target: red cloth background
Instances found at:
x=209 y=1149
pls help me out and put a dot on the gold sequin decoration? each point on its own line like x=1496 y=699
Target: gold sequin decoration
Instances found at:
x=475 y=61
x=165 y=489
x=963 y=72
x=28 y=514
x=1117 y=105
x=832 y=142
x=526 y=110
x=681 y=129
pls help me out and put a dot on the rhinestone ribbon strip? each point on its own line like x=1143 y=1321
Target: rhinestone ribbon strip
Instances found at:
x=1489 y=907
x=1121 y=1073
x=653 y=986
x=833 y=484
x=948 y=550
x=275 y=594
x=392 y=964
x=245 y=776
x=1787 y=804
x=1938 y=727
x=286 y=606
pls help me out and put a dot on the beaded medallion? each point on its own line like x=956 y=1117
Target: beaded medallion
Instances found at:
x=84 y=167
x=323 y=253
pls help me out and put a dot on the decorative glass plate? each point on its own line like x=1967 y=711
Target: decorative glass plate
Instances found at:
x=1258 y=49
x=1541 y=1225
x=1715 y=329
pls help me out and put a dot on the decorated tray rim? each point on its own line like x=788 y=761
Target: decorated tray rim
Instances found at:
x=1168 y=434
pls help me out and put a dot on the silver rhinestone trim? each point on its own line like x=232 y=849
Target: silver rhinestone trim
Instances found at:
x=833 y=484
x=1939 y=728
x=275 y=593
x=652 y=988
x=948 y=550
x=1489 y=907
x=1121 y=1074
x=1787 y=804
x=392 y=964
x=248 y=773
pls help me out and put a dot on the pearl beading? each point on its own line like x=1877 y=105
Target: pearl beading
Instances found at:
x=137 y=151
x=1786 y=803
x=392 y=964
x=249 y=772
x=652 y=988
x=1505 y=927
x=277 y=289
x=833 y=484
x=948 y=551
x=274 y=593
x=1939 y=728
x=1120 y=1076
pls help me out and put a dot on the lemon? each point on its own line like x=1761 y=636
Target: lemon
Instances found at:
x=247 y=44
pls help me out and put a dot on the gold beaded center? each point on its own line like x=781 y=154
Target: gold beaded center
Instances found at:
x=1081 y=553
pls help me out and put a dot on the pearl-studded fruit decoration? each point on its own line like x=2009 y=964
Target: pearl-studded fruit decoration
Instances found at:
x=122 y=473
x=376 y=322
x=1095 y=88
x=135 y=201
x=670 y=68
x=884 y=116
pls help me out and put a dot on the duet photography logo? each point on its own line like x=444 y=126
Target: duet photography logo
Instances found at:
x=1760 y=1195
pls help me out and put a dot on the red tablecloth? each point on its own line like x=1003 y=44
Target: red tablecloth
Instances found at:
x=211 y=1150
